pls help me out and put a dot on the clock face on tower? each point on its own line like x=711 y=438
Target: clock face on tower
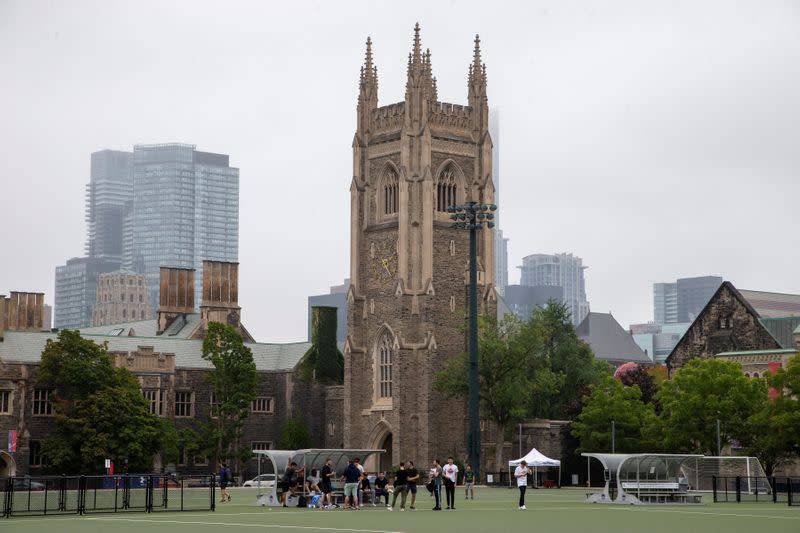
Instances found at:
x=383 y=264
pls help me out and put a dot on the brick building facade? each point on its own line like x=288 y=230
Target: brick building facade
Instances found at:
x=165 y=354
x=408 y=268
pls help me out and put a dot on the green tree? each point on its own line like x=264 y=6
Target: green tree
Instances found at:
x=774 y=431
x=294 y=435
x=636 y=426
x=234 y=379
x=99 y=410
x=702 y=392
x=323 y=362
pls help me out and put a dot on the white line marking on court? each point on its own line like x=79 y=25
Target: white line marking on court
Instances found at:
x=262 y=526
x=736 y=515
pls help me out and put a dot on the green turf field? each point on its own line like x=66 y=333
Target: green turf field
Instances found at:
x=493 y=510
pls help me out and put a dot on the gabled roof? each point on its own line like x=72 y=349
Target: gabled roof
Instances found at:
x=609 y=341
x=26 y=347
x=725 y=285
x=181 y=328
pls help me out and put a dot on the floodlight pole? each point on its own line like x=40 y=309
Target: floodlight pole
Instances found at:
x=719 y=449
x=613 y=436
x=472 y=216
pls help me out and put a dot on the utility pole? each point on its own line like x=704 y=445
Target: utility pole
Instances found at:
x=613 y=436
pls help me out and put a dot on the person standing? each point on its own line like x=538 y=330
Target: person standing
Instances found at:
x=436 y=477
x=450 y=478
x=469 y=483
x=327 y=483
x=400 y=487
x=521 y=473
x=291 y=479
x=413 y=478
x=223 y=482
x=352 y=475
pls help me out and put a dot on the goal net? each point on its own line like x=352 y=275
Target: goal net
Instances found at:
x=699 y=473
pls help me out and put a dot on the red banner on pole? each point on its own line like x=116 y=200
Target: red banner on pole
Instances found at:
x=12 y=440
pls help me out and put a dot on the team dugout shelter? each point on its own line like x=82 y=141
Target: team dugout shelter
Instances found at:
x=643 y=478
x=309 y=459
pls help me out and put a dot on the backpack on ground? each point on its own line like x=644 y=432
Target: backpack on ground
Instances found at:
x=302 y=501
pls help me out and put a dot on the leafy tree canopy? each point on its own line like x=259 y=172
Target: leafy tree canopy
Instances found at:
x=294 y=435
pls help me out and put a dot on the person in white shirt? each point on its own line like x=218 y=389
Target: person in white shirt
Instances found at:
x=450 y=476
x=521 y=473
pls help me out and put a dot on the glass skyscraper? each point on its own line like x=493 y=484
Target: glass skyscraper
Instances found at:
x=185 y=210
x=561 y=270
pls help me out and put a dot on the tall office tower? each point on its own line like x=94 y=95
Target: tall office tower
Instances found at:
x=76 y=283
x=500 y=242
x=185 y=211
x=694 y=294
x=563 y=270
x=681 y=301
x=120 y=297
x=665 y=303
x=337 y=298
x=109 y=189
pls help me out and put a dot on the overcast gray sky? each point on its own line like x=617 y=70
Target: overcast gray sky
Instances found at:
x=653 y=139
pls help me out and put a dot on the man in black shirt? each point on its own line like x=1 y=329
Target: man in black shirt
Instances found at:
x=289 y=481
x=400 y=487
x=380 y=488
x=413 y=478
x=327 y=486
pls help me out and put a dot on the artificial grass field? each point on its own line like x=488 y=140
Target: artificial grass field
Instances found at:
x=494 y=510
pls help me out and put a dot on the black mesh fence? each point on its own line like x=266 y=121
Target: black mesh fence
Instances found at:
x=742 y=489
x=53 y=495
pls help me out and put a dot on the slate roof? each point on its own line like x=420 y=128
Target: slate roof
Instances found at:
x=609 y=341
x=181 y=328
x=26 y=347
x=782 y=329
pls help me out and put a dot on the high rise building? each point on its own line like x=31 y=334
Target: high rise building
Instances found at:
x=109 y=189
x=562 y=270
x=185 y=210
x=76 y=285
x=681 y=301
x=337 y=297
x=500 y=242
x=665 y=303
x=120 y=297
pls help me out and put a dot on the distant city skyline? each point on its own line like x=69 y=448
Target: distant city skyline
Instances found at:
x=655 y=143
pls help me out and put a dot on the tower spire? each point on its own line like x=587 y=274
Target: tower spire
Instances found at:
x=417 y=52
x=369 y=72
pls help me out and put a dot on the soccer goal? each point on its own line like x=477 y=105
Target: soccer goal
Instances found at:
x=700 y=472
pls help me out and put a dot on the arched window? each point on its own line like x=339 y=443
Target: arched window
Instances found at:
x=124 y=313
x=755 y=374
x=383 y=360
x=446 y=189
x=390 y=191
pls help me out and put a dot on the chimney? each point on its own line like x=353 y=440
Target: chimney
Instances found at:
x=23 y=311
x=175 y=295
x=220 y=294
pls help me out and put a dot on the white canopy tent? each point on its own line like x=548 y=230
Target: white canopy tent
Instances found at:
x=535 y=459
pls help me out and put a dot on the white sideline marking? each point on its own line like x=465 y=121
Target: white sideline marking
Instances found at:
x=262 y=526
x=737 y=515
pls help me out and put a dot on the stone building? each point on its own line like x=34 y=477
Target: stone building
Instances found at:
x=408 y=267
x=728 y=323
x=120 y=297
x=166 y=356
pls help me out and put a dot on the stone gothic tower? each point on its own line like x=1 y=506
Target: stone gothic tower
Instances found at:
x=407 y=300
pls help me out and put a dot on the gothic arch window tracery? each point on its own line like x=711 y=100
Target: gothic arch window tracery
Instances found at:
x=383 y=368
x=390 y=192
x=446 y=189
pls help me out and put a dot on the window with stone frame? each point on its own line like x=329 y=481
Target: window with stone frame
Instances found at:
x=156 y=399
x=35 y=457
x=214 y=404
x=263 y=404
x=446 y=189
x=200 y=460
x=383 y=364
x=261 y=445
x=5 y=402
x=184 y=404
x=41 y=402
x=390 y=192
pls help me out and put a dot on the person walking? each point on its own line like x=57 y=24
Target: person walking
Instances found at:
x=327 y=483
x=469 y=483
x=521 y=473
x=352 y=475
x=436 y=477
x=450 y=478
x=400 y=487
x=413 y=478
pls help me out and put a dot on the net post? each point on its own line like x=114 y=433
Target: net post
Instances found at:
x=772 y=486
x=789 y=490
x=738 y=489
x=714 y=487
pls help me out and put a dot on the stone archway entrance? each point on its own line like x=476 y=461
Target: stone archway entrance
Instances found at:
x=386 y=458
x=7 y=465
